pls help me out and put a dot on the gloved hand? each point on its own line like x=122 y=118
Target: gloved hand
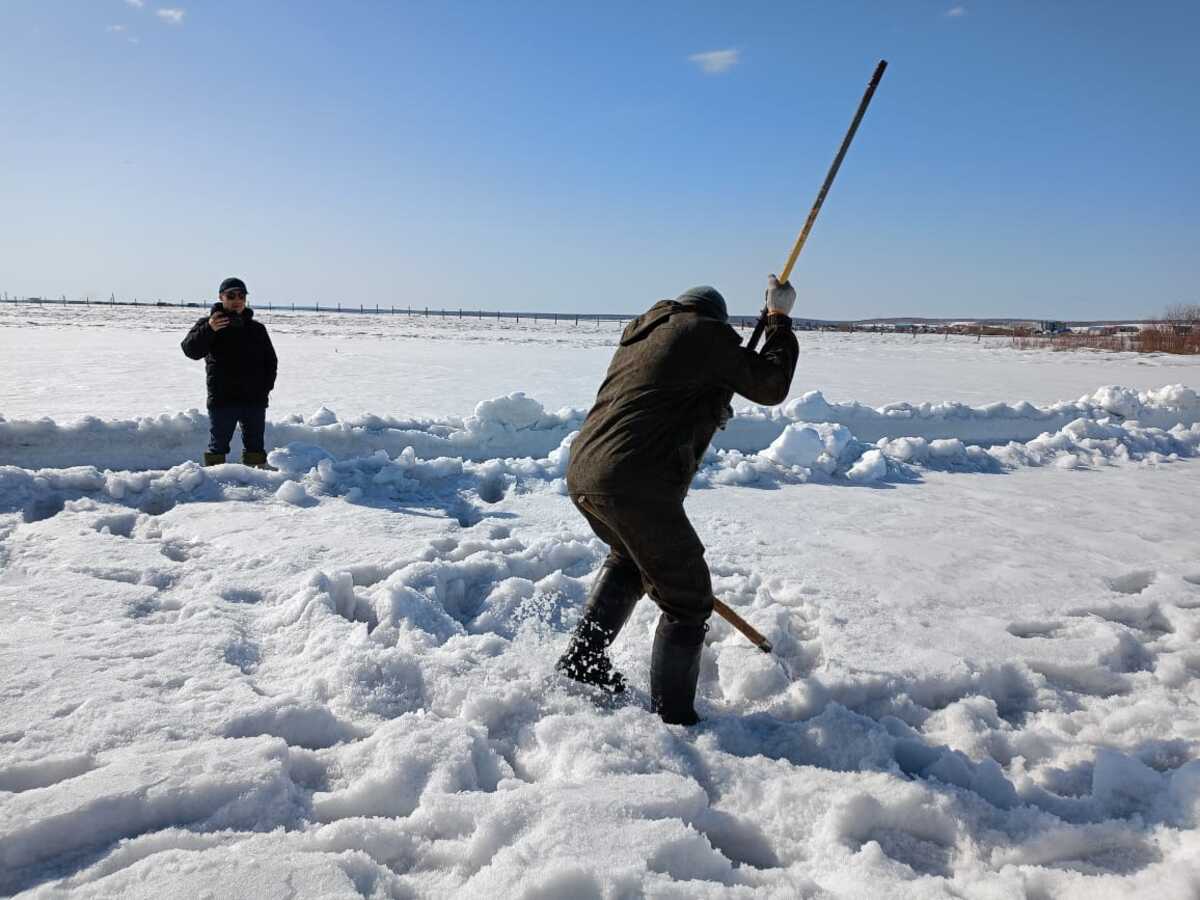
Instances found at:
x=780 y=297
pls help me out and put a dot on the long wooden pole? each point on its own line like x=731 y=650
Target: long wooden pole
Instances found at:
x=720 y=608
x=816 y=207
x=741 y=625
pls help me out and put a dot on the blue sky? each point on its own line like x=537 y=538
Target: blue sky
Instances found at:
x=1019 y=159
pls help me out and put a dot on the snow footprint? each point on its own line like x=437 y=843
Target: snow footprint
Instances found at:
x=43 y=508
x=739 y=840
x=45 y=772
x=492 y=488
x=1189 y=600
x=176 y=550
x=119 y=524
x=1131 y=582
x=244 y=596
x=298 y=723
x=464 y=512
x=1148 y=619
x=913 y=832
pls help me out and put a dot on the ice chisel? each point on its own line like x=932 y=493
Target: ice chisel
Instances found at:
x=816 y=208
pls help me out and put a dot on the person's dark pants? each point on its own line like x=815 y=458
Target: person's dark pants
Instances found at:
x=655 y=539
x=222 y=420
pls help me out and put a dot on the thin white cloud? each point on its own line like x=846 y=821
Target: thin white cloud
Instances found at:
x=170 y=15
x=133 y=39
x=116 y=29
x=136 y=4
x=715 y=62
x=956 y=12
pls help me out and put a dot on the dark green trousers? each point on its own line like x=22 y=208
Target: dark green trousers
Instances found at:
x=656 y=539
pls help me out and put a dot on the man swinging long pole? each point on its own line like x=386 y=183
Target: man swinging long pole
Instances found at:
x=665 y=394
x=720 y=608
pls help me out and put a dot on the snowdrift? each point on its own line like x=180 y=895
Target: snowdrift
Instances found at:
x=995 y=423
x=519 y=438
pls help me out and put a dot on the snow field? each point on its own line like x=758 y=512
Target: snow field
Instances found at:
x=337 y=679
x=441 y=756
x=416 y=367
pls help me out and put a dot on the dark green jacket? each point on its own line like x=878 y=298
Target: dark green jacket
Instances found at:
x=664 y=397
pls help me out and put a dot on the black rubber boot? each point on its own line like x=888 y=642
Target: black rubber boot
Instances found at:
x=674 y=671
x=615 y=593
x=214 y=459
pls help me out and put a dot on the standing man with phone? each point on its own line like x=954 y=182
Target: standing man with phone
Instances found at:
x=240 y=367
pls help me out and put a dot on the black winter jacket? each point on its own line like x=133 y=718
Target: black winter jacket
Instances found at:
x=239 y=362
x=665 y=395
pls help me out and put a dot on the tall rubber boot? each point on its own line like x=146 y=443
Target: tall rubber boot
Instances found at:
x=257 y=459
x=675 y=669
x=615 y=593
x=214 y=459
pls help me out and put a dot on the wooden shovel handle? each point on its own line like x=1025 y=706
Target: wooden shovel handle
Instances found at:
x=741 y=625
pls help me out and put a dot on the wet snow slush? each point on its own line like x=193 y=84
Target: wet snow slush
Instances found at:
x=980 y=568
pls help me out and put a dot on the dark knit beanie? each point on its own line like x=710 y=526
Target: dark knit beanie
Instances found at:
x=232 y=284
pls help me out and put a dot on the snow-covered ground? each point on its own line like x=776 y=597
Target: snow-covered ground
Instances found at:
x=337 y=679
x=402 y=366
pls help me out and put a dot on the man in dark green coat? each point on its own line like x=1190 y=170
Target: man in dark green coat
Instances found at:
x=666 y=393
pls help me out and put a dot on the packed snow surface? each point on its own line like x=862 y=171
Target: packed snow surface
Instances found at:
x=336 y=679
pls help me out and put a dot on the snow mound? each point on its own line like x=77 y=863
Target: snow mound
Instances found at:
x=981 y=425
x=799 y=453
x=518 y=426
x=293 y=493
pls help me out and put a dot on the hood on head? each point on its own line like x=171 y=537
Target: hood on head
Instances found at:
x=705 y=300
